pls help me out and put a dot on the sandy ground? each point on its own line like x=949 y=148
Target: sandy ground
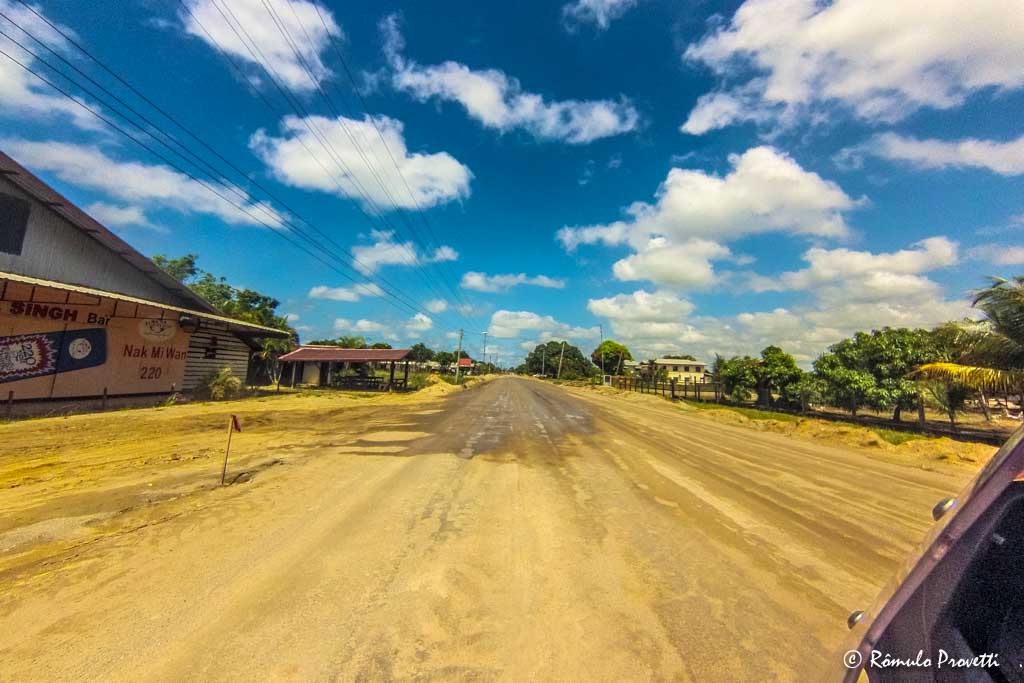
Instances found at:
x=513 y=530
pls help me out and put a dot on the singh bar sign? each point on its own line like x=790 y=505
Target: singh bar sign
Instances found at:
x=55 y=344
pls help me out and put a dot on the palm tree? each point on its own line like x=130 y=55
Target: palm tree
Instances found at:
x=988 y=355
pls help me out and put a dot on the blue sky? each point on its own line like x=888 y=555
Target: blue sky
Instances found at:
x=689 y=177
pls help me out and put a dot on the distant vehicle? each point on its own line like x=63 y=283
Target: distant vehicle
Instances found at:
x=955 y=611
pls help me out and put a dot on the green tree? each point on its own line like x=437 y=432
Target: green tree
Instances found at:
x=343 y=342
x=574 y=364
x=737 y=376
x=774 y=373
x=989 y=355
x=420 y=353
x=950 y=397
x=613 y=355
x=844 y=386
x=183 y=269
x=380 y=345
x=871 y=369
x=445 y=358
x=807 y=390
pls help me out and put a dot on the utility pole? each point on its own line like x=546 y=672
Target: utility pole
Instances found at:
x=458 y=358
x=485 y=348
x=543 y=359
x=560 y=357
x=601 y=327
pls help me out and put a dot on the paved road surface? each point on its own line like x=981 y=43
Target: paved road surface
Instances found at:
x=519 y=531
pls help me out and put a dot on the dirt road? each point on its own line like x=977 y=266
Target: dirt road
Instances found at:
x=513 y=531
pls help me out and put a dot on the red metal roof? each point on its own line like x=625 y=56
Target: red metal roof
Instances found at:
x=465 y=362
x=338 y=355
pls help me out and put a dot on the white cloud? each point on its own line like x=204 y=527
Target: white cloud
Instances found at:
x=649 y=323
x=21 y=93
x=642 y=306
x=687 y=264
x=131 y=181
x=291 y=317
x=1004 y=158
x=359 y=162
x=436 y=306
x=766 y=191
x=998 y=254
x=386 y=251
x=880 y=59
x=599 y=13
x=859 y=275
x=510 y=324
x=419 y=323
x=676 y=238
x=847 y=291
x=247 y=30
x=119 y=216
x=498 y=101
x=482 y=282
x=353 y=293
x=343 y=325
x=444 y=253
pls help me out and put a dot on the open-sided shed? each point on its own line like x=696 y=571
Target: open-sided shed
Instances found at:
x=314 y=365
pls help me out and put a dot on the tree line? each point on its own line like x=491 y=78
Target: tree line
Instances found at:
x=899 y=369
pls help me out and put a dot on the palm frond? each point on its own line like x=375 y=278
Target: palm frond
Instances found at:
x=975 y=377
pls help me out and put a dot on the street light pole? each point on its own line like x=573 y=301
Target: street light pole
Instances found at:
x=485 y=348
x=458 y=358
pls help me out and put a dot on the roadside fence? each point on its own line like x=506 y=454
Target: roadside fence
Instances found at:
x=711 y=392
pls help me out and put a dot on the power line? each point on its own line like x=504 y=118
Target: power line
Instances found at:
x=355 y=89
x=274 y=216
x=195 y=159
x=289 y=97
x=341 y=120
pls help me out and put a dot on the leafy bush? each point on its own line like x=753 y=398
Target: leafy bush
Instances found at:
x=219 y=385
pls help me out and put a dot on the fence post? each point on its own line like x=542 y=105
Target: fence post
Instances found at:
x=673 y=385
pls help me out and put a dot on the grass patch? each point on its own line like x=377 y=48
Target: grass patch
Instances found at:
x=749 y=413
x=896 y=437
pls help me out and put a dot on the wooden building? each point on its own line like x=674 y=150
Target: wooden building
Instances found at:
x=83 y=314
x=318 y=365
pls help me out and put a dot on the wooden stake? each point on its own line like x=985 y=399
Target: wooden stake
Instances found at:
x=227 y=449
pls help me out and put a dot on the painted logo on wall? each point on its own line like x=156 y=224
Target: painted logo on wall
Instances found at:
x=158 y=329
x=33 y=355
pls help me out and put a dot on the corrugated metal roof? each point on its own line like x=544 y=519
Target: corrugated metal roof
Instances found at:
x=33 y=185
x=234 y=325
x=336 y=354
x=465 y=362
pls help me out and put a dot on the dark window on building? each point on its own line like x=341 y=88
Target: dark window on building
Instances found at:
x=211 y=349
x=13 y=223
